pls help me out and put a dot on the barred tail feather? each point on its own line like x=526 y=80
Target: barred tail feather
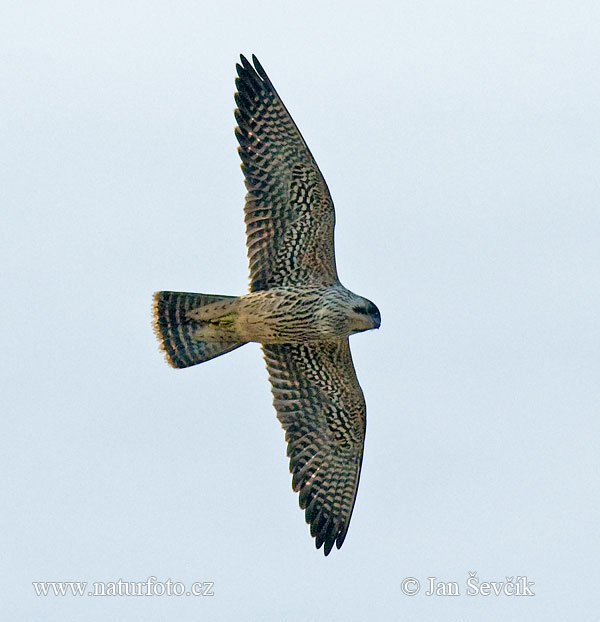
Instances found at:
x=177 y=332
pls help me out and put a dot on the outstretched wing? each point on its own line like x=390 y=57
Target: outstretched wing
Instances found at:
x=289 y=212
x=322 y=409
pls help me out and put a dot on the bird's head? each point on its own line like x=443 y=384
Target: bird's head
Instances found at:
x=364 y=315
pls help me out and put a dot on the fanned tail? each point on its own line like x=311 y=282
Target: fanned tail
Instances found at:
x=192 y=328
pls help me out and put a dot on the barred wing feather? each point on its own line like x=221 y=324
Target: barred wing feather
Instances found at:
x=289 y=213
x=322 y=409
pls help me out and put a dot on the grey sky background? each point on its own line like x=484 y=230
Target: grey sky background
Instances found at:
x=460 y=142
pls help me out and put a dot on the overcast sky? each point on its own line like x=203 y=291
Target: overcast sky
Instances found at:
x=461 y=145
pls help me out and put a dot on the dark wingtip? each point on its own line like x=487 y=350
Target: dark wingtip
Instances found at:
x=244 y=66
x=259 y=68
x=245 y=63
x=255 y=67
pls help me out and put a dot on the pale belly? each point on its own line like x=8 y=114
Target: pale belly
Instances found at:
x=283 y=315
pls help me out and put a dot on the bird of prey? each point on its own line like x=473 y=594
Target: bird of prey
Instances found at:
x=297 y=309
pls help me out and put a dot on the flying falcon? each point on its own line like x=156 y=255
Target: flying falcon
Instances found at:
x=297 y=309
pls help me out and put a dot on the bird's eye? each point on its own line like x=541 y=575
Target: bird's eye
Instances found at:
x=360 y=310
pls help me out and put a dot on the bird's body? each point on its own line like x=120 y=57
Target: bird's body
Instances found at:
x=285 y=314
x=296 y=309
